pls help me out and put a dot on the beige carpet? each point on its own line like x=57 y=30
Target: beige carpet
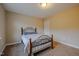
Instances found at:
x=14 y=50
x=59 y=50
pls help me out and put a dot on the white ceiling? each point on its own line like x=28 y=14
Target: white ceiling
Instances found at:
x=34 y=9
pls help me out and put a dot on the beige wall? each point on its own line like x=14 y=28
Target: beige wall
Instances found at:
x=15 y=21
x=65 y=26
x=68 y=19
x=2 y=29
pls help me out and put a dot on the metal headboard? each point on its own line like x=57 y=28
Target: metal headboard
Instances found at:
x=22 y=29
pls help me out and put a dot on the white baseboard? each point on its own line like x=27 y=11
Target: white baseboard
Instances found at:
x=2 y=50
x=74 y=46
x=12 y=43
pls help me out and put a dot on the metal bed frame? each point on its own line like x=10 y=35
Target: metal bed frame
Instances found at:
x=32 y=44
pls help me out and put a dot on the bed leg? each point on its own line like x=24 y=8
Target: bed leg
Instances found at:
x=52 y=42
x=30 y=47
x=21 y=31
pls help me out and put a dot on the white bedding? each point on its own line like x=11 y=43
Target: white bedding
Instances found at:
x=25 y=38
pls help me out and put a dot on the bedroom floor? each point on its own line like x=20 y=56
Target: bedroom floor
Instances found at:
x=59 y=50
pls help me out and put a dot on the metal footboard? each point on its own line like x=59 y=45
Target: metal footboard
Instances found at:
x=43 y=40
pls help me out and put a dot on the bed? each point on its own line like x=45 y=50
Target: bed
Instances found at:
x=35 y=42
